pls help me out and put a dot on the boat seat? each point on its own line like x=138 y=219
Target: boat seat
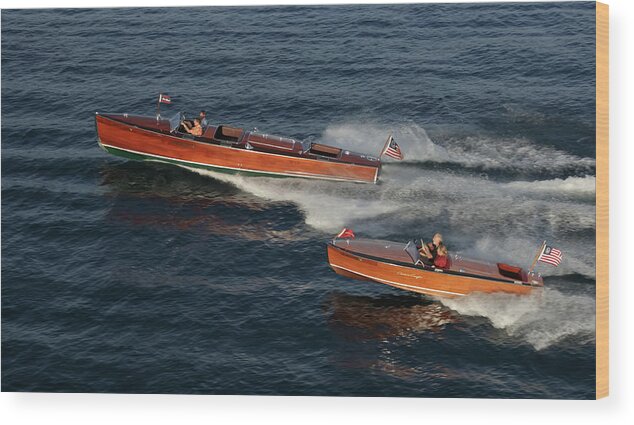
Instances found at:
x=209 y=132
x=273 y=143
x=325 y=150
x=228 y=134
x=512 y=272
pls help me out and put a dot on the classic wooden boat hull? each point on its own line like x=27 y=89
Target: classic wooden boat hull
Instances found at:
x=367 y=260
x=128 y=137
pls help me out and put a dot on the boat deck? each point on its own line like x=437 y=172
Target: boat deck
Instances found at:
x=239 y=138
x=395 y=252
x=230 y=150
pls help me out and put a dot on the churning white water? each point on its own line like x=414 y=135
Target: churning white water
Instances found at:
x=480 y=216
x=540 y=319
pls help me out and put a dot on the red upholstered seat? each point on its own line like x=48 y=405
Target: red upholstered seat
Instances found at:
x=509 y=271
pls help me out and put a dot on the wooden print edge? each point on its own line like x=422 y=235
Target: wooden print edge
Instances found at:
x=602 y=200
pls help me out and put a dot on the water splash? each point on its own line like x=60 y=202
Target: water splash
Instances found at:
x=582 y=187
x=488 y=219
x=541 y=320
x=323 y=205
x=515 y=154
x=578 y=259
x=370 y=138
x=480 y=151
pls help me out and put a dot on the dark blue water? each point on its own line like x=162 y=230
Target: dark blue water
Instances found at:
x=135 y=277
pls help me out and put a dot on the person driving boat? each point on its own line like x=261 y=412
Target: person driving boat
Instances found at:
x=196 y=129
x=429 y=251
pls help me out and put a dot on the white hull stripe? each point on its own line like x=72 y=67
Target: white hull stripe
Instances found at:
x=395 y=283
x=248 y=170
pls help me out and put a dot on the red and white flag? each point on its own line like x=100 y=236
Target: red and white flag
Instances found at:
x=393 y=150
x=346 y=234
x=551 y=256
x=164 y=98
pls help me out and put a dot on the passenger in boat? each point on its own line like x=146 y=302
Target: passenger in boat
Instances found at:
x=441 y=260
x=429 y=251
x=196 y=129
x=203 y=118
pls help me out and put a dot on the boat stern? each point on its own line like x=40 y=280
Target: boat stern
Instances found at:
x=535 y=279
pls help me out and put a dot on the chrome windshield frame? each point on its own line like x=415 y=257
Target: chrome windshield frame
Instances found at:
x=175 y=121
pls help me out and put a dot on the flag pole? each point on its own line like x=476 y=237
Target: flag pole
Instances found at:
x=385 y=145
x=158 y=107
x=541 y=249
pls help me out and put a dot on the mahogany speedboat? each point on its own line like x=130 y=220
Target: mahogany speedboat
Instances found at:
x=399 y=265
x=229 y=149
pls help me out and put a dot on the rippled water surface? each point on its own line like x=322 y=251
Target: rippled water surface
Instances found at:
x=122 y=276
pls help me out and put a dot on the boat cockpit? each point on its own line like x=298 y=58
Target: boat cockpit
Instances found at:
x=228 y=134
x=221 y=134
x=239 y=138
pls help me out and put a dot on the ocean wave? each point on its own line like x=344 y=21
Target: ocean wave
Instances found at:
x=542 y=319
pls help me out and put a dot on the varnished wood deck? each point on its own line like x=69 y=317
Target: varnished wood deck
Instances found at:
x=140 y=143
x=386 y=262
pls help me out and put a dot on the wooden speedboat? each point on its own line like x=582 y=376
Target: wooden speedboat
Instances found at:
x=399 y=265
x=229 y=149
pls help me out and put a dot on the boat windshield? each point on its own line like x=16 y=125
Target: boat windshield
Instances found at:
x=175 y=121
x=412 y=251
x=306 y=145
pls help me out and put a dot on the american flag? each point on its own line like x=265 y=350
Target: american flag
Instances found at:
x=393 y=150
x=164 y=98
x=346 y=233
x=551 y=256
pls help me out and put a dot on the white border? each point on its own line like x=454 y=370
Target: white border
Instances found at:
x=94 y=409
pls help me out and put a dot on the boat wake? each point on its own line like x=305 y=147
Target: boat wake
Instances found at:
x=479 y=216
x=318 y=200
x=481 y=152
x=501 y=223
x=570 y=187
x=370 y=138
x=578 y=258
x=541 y=320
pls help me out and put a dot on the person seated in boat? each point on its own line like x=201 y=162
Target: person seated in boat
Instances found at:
x=196 y=129
x=186 y=124
x=429 y=251
x=203 y=118
x=189 y=124
x=441 y=260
